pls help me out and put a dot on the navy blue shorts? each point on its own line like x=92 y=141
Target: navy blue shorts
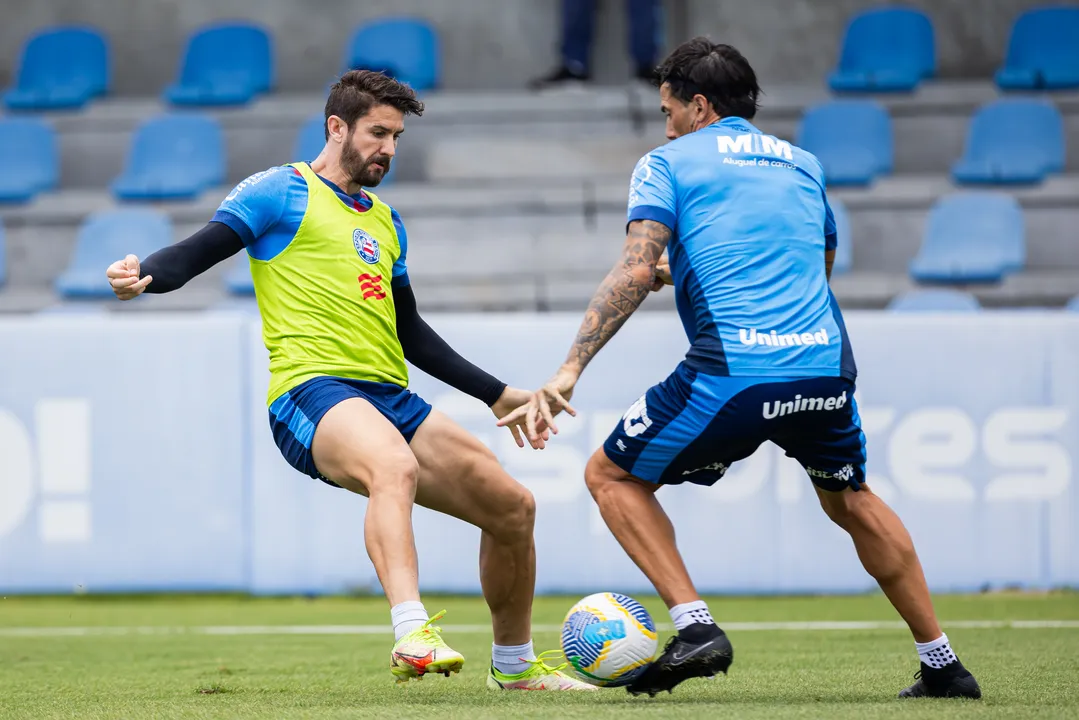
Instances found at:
x=295 y=415
x=693 y=427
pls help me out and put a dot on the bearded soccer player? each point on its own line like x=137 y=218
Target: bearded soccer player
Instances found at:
x=744 y=221
x=339 y=319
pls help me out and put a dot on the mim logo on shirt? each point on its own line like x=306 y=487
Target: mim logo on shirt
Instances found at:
x=749 y=336
x=754 y=144
x=799 y=404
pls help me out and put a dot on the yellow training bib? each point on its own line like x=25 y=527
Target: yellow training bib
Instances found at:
x=325 y=300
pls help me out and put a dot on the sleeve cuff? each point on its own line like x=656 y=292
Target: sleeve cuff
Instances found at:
x=652 y=212
x=400 y=280
x=237 y=225
x=831 y=241
x=493 y=393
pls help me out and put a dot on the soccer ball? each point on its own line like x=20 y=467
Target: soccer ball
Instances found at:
x=609 y=639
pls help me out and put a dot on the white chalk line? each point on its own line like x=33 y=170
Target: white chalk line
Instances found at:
x=226 y=630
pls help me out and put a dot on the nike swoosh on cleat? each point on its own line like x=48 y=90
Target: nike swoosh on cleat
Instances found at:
x=675 y=657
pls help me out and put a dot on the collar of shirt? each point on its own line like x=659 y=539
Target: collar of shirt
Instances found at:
x=360 y=201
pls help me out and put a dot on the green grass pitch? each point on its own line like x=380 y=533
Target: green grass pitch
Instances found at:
x=154 y=657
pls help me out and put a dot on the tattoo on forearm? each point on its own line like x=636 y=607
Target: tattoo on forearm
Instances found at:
x=622 y=291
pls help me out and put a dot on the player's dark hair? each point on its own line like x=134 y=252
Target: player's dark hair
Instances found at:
x=358 y=91
x=718 y=72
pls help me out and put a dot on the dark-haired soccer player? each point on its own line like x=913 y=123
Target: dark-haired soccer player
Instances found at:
x=745 y=222
x=339 y=319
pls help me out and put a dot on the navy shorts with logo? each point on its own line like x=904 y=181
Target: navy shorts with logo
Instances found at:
x=692 y=427
x=295 y=414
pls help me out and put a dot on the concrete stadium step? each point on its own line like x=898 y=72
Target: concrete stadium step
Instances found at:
x=930 y=126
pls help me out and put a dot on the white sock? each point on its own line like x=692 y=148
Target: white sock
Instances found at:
x=406 y=617
x=937 y=653
x=511 y=659
x=688 y=613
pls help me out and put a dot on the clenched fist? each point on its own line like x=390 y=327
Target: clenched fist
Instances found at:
x=123 y=276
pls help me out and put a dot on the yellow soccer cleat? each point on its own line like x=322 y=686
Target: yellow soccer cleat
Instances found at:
x=540 y=676
x=424 y=651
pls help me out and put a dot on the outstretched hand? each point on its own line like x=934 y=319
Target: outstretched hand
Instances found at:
x=510 y=400
x=538 y=412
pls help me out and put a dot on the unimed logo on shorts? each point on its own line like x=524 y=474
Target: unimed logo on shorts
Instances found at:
x=799 y=404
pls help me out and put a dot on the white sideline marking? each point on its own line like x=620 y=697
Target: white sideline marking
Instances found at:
x=386 y=630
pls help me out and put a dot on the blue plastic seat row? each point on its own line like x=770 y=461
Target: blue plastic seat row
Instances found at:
x=172 y=157
x=1009 y=141
x=892 y=49
x=969 y=237
x=227 y=63
x=934 y=300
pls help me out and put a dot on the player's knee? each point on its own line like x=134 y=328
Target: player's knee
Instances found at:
x=516 y=515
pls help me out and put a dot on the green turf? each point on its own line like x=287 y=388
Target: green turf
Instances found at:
x=776 y=674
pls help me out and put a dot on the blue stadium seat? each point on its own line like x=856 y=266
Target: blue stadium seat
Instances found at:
x=889 y=49
x=60 y=68
x=1043 y=51
x=1013 y=141
x=106 y=237
x=225 y=64
x=312 y=138
x=404 y=48
x=935 y=300
x=30 y=158
x=851 y=138
x=238 y=279
x=173 y=157
x=844 y=251
x=971 y=237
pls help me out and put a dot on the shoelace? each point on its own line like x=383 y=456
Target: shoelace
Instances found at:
x=540 y=661
x=431 y=631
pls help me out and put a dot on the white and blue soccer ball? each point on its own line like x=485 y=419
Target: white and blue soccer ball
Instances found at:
x=609 y=639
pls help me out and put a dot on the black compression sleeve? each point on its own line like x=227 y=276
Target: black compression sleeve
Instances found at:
x=430 y=353
x=174 y=265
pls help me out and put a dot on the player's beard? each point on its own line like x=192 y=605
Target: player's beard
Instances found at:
x=359 y=168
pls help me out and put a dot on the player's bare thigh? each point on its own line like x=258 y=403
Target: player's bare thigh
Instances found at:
x=360 y=450
x=601 y=473
x=460 y=476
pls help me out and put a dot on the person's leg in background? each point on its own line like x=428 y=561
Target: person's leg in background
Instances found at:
x=643 y=18
x=578 y=24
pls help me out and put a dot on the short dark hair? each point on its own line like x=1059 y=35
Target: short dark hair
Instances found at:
x=358 y=91
x=718 y=72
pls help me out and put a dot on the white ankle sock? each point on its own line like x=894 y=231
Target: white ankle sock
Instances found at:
x=688 y=613
x=937 y=653
x=511 y=659
x=406 y=617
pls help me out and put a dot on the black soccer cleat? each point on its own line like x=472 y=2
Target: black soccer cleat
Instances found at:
x=700 y=650
x=951 y=681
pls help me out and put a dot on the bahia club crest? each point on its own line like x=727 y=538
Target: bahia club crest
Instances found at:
x=366 y=247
